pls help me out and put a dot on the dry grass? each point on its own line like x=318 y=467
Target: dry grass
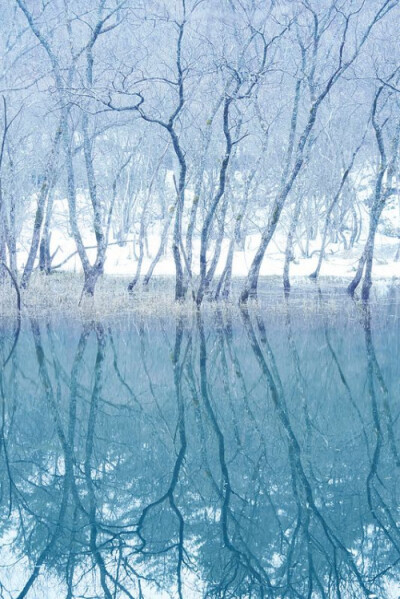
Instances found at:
x=59 y=295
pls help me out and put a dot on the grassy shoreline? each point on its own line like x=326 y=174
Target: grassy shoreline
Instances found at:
x=60 y=295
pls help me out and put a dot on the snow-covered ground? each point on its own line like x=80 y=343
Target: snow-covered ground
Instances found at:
x=122 y=260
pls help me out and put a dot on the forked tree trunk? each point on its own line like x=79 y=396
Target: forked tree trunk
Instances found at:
x=381 y=195
x=206 y=276
x=91 y=276
x=161 y=248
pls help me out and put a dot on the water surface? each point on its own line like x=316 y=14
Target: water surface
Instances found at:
x=226 y=455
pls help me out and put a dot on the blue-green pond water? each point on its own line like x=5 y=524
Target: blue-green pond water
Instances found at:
x=224 y=456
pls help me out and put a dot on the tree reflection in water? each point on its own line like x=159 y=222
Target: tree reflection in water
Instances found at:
x=247 y=456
